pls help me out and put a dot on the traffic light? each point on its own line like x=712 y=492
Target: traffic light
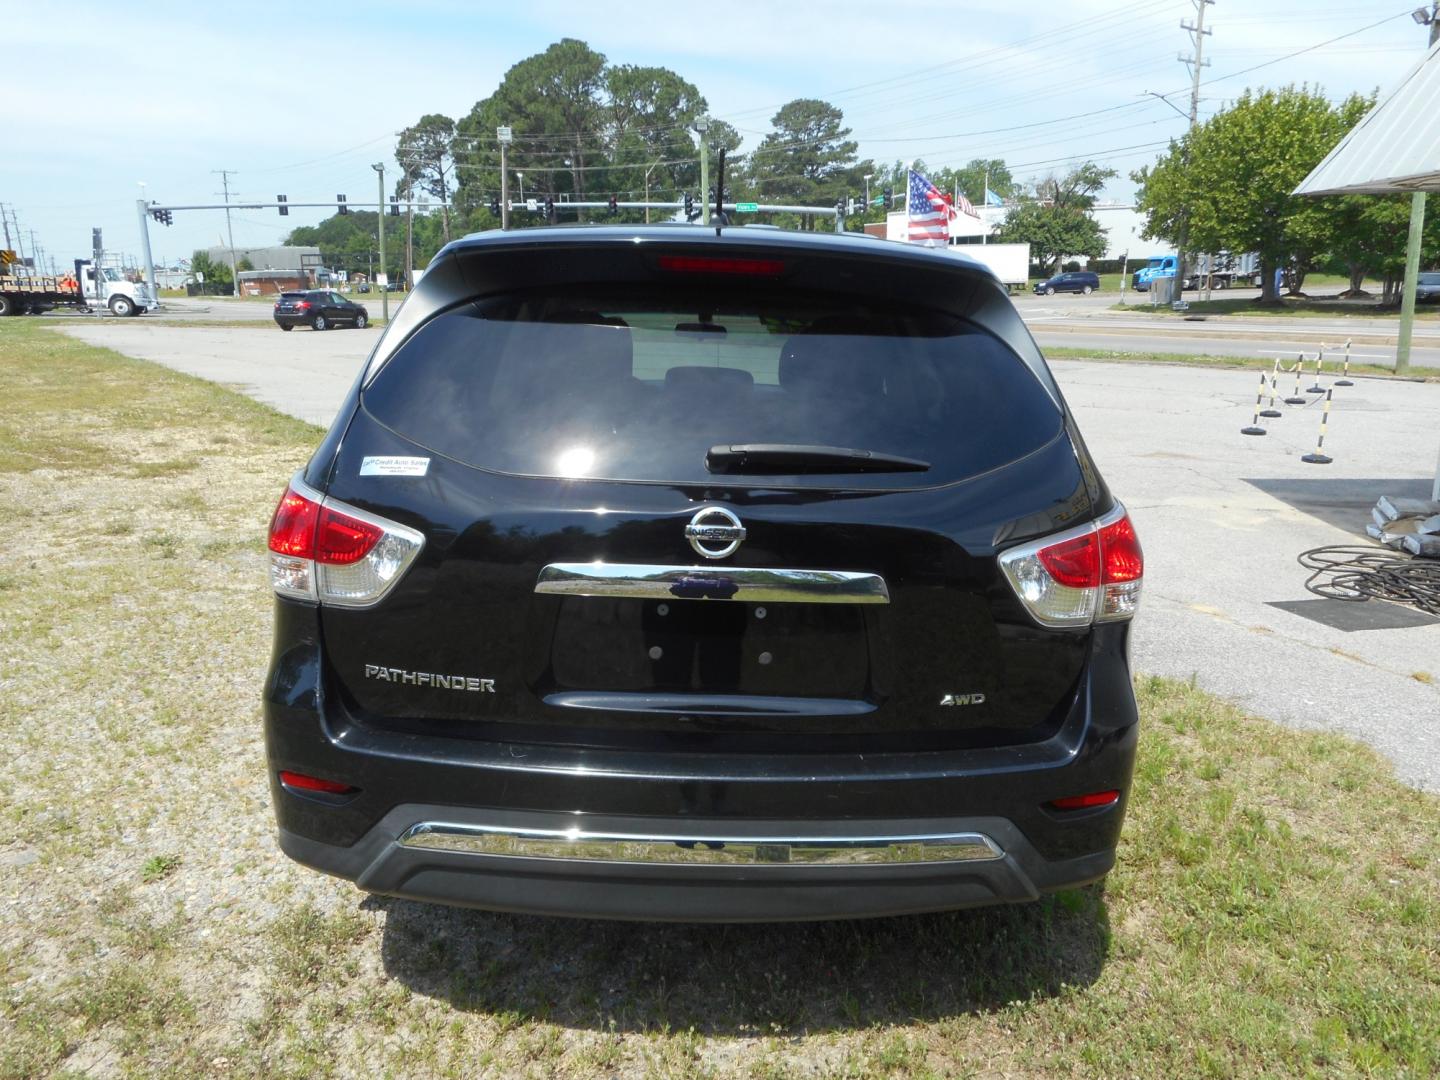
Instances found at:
x=689 y=207
x=284 y=210
x=394 y=206
x=341 y=200
x=550 y=209
x=164 y=217
x=614 y=206
x=495 y=205
x=889 y=197
x=840 y=206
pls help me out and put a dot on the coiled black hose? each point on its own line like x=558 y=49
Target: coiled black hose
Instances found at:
x=1365 y=573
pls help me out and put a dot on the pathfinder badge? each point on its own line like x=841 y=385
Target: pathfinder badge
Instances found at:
x=469 y=683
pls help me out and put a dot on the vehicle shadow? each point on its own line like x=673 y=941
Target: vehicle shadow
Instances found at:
x=739 y=979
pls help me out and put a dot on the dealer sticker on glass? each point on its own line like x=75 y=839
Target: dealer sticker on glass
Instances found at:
x=394 y=466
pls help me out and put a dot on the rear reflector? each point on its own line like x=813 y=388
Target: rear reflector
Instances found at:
x=314 y=783
x=1081 y=576
x=704 y=264
x=322 y=549
x=1086 y=802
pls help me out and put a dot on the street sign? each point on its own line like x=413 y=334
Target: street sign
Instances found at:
x=531 y=204
x=747 y=207
x=503 y=134
x=382 y=280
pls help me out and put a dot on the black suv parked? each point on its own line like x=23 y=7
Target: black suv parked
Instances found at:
x=657 y=573
x=320 y=309
x=1081 y=281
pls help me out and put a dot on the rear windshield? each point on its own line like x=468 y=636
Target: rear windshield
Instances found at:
x=292 y=296
x=641 y=386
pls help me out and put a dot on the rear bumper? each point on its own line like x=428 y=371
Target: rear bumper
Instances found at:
x=764 y=803
x=1006 y=870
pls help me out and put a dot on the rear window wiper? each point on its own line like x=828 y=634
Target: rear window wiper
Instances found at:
x=787 y=458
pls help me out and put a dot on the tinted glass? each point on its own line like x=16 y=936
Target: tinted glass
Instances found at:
x=1430 y=279
x=639 y=387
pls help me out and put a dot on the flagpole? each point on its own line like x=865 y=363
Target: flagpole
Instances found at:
x=985 y=202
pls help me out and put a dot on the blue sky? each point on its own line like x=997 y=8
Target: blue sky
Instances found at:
x=301 y=101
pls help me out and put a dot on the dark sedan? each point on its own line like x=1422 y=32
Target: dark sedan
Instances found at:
x=319 y=309
x=1081 y=281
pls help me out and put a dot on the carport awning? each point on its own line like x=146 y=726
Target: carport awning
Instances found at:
x=1396 y=148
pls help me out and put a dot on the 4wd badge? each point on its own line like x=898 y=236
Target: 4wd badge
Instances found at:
x=963 y=699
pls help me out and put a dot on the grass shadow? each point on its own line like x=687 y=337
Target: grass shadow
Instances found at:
x=745 y=979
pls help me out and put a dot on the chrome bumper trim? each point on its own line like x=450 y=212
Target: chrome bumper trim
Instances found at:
x=744 y=583
x=575 y=844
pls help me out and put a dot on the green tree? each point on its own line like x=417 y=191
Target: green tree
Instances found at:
x=808 y=158
x=1055 y=218
x=1053 y=232
x=427 y=162
x=1368 y=234
x=1230 y=179
x=214 y=271
x=583 y=128
x=351 y=241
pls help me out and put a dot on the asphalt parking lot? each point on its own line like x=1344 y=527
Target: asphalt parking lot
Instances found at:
x=1222 y=516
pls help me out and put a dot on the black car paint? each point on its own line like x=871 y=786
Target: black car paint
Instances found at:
x=1071 y=281
x=881 y=751
x=335 y=309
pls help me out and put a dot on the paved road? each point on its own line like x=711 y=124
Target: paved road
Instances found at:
x=1282 y=344
x=1222 y=516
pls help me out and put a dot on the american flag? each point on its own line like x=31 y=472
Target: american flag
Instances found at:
x=929 y=212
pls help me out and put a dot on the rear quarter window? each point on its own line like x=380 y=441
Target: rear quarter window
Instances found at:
x=638 y=387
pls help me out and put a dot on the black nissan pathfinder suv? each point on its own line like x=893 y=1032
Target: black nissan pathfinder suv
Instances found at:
x=702 y=574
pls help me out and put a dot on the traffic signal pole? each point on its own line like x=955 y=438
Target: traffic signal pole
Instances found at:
x=379 y=168
x=145 y=248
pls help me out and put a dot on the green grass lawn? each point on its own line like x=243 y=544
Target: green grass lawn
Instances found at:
x=1275 y=909
x=1309 y=307
x=1332 y=360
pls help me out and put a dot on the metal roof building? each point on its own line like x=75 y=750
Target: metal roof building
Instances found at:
x=1394 y=149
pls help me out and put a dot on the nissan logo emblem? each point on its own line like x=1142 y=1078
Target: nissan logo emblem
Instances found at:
x=715 y=532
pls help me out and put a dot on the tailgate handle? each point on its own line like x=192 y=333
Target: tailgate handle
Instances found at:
x=643 y=581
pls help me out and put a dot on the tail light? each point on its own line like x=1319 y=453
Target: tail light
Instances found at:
x=1081 y=576
x=327 y=551
x=302 y=305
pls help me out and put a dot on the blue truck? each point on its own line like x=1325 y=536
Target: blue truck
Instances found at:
x=1224 y=271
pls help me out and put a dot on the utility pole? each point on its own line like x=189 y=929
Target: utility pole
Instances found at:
x=504 y=136
x=229 y=232
x=1198 y=34
x=19 y=236
x=5 y=222
x=702 y=125
x=379 y=168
